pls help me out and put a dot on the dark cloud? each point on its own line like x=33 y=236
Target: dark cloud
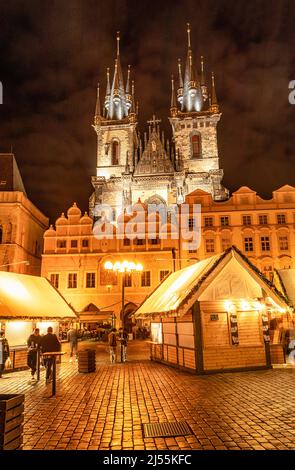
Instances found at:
x=52 y=53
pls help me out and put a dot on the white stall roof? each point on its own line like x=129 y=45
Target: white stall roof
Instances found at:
x=288 y=279
x=205 y=278
x=31 y=297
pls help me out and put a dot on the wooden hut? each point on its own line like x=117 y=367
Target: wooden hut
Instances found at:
x=214 y=316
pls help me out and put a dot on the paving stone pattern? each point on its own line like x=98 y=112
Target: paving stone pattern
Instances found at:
x=106 y=409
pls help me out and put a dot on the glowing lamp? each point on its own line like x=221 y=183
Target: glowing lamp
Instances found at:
x=108 y=265
x=139 y=267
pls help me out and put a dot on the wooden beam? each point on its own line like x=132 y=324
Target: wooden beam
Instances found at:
x=198 y=338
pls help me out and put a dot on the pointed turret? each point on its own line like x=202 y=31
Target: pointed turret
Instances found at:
x=214 y=107
x=192 y=94
x=203 y=81
x=97 y=107
x=173 y=107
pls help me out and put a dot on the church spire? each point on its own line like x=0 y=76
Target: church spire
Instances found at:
x=192 y=96
x=214 y=103
x=173 y=107
x=97 y=107
x=203 y=81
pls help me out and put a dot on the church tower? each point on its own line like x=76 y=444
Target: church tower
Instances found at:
x=194 y=115
x=115 y=125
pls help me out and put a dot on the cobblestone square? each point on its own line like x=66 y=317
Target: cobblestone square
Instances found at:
x=107 y=408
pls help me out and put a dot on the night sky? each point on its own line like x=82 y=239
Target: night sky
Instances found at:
x=53 y=53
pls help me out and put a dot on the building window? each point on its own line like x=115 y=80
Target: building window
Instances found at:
x=263 y=220
x=115 y=152
x=191 y=223
x=208 y=221
x=1 y=234
x=128 y=280
x=281 y=219
x=145 y=279
x=248 y=244
x=265 y=243
x=225 y=243
x=247 y=220
x=54 y=279
x=283 y=243
x=196 y=146
x=90 y=280
x=61 y=243
x=163 y=274
x=72 y=281
x=210 y=245
x=126 y=242
x=224 y=221
x=74 y=243
x=85 y=243
x=139 y=241
x=268 y=272
x=155 y=241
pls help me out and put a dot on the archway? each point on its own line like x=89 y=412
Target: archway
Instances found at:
x=129 y=308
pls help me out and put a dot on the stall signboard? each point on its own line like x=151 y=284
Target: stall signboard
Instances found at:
x=265 y=327
x=233 y=319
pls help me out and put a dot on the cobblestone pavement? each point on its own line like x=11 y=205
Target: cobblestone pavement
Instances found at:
x=106 y=409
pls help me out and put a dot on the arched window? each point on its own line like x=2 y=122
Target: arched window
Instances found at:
x=115 y=152
x=1 y=234
x=196 y=146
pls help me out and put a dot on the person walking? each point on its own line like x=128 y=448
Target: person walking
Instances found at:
x=72 y=337
x=113 y=345
x=49 y=343
x=33 y=343
x=123 y=338
x=4 y=351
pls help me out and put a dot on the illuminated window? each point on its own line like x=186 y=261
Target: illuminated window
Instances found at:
x=265 y=243
x=268 y=272
x=72 y=281
x=283 y=243
x=281 y=219
x=225 y=243
x=247 y=220
x=163 y=273
x=210 y=245
x=128 y=280
x=208 y=221
x=248 y=244
x=54 y=279
x=115 y=152
x=263 y=220
x=90 y=280
x=196 y=146
x=61 y=243
x=224 y=220
x=145 y=279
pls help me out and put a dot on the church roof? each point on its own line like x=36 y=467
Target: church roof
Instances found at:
x=154 y=159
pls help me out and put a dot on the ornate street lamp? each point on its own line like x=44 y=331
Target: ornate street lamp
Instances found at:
x=123 y=267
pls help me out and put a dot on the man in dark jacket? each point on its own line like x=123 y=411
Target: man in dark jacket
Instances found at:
x=4 y=351
x=49 y=343
x=33 y=342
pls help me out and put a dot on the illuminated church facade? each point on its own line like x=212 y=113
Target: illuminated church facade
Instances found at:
x=152 y=169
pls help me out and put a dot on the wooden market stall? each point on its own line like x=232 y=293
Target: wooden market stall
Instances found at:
x=27 y=302
x=214 y=316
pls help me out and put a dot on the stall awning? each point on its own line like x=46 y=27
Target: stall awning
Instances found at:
x=287 y=279
x=31 y=297
x=224 y=276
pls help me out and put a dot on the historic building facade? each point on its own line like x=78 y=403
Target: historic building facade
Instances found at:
x=153 y=169
x=22 y=225
x=74 y=258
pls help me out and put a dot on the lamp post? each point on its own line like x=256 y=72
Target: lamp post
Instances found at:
x=123 y=267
